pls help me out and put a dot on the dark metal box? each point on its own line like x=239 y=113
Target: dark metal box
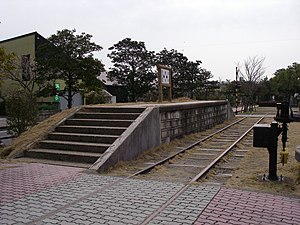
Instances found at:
x=261 y=135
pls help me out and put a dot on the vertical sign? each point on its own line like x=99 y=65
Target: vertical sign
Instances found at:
x=164 y=79
x=57 y=89
x=25 y=63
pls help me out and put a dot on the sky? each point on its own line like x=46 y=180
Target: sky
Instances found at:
x=220 y=33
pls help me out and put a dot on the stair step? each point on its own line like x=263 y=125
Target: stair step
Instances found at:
x=56 y=162
x=91 y=129
x=79 y=137
x=99 y=122
x=113 y=109
x=74 y=146
x=95 y=115
x=62 y=155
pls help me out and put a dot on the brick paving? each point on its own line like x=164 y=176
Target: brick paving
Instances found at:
x=24 y=179
x=231 y=206
x=186 y=208
x=46 y=194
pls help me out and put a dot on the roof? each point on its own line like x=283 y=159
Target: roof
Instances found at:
x=104 y=79
x=22 y=36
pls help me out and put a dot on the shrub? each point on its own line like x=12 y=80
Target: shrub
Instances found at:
x=96 y=97
x=21 y=111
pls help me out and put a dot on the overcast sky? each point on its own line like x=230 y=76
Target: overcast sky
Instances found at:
x=220 y=33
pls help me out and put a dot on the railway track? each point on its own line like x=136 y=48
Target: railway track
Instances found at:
x=191 y=161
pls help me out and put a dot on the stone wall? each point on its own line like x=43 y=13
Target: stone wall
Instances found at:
x=180 y=119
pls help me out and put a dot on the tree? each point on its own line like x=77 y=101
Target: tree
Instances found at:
x=178 y=62
x=251 y=72
x=12 y=69
x=286 y=82
x=69 y=57
x=132 y=67
x=188 y=77
x=21 y=110
x=228 y=89
x=7 y=64
x=264 y=91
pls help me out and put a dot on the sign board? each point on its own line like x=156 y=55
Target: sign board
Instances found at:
x=164 y=79
x=57 y=87
x=25 y=62
x=56 y=98
x=165 y=76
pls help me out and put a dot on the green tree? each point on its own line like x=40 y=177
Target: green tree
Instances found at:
x=264 y=91
x=286 y=82
x=21 y=111
x=178 y=62
x=228 y=89
x=132 y=67
x=188 y=77
x=69 y=57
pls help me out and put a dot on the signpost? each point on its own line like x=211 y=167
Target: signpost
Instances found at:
x=164 y=80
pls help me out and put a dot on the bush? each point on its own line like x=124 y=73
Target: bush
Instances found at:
x=21 y=111
x=96 y=97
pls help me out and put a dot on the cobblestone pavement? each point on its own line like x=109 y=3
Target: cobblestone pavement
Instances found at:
x=46 y=194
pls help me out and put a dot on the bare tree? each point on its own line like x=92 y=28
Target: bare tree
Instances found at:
x=27 y=78
x=251 y=73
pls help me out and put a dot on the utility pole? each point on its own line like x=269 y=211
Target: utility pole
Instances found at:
x=236 y=90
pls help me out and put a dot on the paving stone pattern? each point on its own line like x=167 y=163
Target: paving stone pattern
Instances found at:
x=232 y=206
x=187 y=207
x=85 y=199
x=130 y=202
x=44 y=194
x=23 y=179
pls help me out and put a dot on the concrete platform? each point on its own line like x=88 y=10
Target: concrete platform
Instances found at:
x=48 y=194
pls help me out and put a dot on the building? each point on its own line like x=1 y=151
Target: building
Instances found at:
x=25 y=48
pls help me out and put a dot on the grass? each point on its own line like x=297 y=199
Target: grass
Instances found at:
x=36 y=133
x=255 y=164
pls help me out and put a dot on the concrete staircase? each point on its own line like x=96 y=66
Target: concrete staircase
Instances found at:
x=86 y=136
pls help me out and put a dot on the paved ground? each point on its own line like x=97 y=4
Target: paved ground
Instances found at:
x=47 y=194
